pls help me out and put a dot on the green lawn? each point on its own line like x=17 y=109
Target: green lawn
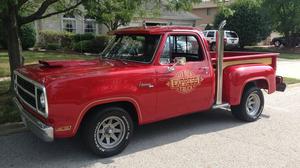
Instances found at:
x=33 y=57
x=8 y=111
x=291 y=80
x=284 y=53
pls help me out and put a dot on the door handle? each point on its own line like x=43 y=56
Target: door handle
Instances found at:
x=204 y=69
x=146 y=85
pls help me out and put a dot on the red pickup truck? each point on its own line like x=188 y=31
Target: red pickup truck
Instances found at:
x=145 y=74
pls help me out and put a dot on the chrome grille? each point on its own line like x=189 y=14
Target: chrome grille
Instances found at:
x=28 y=90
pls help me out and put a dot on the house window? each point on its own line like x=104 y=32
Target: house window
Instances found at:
x=208 y=11
x=69 y=23
x=89 y=25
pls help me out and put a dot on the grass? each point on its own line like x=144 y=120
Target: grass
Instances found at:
x=291 y=80
x=8 y=111
x=32 y=57
x=284 y=53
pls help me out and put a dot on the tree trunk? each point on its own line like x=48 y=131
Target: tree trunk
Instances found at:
x=13 y=41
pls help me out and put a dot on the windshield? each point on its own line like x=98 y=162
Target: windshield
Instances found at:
x=231 y=34
x=139 y=48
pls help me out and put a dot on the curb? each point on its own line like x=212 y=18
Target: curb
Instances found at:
x=294 y=85
x=12 y=128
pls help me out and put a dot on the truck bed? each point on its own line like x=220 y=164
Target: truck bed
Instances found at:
x=237 y=58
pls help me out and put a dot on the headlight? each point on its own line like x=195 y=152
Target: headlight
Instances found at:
x=42 y=100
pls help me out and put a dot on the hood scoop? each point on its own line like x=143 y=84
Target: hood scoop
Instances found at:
x=65 y=63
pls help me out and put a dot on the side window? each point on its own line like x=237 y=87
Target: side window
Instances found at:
x=181 y=46
x=211 y=34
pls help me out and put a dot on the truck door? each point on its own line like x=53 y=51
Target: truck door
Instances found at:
x=185 y=88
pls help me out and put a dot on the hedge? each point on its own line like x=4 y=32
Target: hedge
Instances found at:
x=95 y=45
x=28 y=36
x=62 y=39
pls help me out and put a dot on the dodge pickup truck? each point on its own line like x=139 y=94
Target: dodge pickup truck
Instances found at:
x=145 y=75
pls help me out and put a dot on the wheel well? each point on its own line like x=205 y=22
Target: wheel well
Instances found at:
x=128 y=106
x=260 y=83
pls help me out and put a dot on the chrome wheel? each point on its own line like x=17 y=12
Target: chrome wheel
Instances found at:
x=253 y=104
x=110 y=132
x=277 y=43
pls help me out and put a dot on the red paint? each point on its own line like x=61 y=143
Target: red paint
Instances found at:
x=74 y=87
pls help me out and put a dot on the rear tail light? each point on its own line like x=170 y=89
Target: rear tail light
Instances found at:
x=225 y=40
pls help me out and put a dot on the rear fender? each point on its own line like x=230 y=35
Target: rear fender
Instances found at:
x=237 y=77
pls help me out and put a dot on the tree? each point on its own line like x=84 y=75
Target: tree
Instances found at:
x=248 y=19
x=112 y=13
x=116 y=13
x=285 y=18
x=15 y=13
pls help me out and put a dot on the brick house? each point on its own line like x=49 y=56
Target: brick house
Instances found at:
x=207 y=11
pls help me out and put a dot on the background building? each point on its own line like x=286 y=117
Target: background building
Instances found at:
x=207 y=11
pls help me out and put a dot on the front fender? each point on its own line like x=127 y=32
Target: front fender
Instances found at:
x=236 y=78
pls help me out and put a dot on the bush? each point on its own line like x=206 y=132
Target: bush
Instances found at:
x=92 y=46
x=83 y=37
x=28 y=36
x=53 y=46
x=63 y=39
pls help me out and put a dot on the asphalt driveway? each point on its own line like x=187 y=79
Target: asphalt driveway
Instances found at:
x=209 y=140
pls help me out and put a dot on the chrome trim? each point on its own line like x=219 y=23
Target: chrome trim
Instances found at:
x=36 y=86
x=220 y=53
x=40 y=129
x=25 y=90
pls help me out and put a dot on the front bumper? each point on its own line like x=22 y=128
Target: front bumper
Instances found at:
x=40 y=129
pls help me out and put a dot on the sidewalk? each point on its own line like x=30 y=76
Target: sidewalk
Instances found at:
x=288 y=68
x=4 y=79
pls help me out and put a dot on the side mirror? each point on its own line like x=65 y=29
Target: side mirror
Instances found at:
x=177 y=61
x=180 y=61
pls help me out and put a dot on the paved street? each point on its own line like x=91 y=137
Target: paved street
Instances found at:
x=288 y=68
x=209 y=140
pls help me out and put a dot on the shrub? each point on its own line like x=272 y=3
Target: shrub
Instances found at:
x=28 y=36
x=53 y=46
x=92 y=46
x=63 y=39
x=83 y=37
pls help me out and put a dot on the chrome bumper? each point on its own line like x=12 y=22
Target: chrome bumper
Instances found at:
x=40 y=129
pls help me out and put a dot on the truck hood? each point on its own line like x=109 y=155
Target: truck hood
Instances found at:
x=51 y=70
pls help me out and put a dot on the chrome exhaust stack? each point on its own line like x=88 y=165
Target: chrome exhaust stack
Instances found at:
x=220 y=54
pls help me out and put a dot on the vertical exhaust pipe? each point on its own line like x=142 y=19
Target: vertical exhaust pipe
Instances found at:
x=220 y=55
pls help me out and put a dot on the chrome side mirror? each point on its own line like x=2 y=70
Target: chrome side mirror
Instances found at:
x=177 y=61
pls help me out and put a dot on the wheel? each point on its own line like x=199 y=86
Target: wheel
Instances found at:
x=108 y=131
x=251 y=106
x=213 y=47
x=277 y=43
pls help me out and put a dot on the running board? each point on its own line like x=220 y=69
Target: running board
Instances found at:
x=221 y=106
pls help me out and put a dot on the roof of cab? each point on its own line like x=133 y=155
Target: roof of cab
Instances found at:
x=155 y=29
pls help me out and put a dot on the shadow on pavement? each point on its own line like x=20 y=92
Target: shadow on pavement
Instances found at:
x=25 y=150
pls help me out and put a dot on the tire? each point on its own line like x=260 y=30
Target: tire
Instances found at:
x=277 y=43
x=213 y=47
x=108 y=131
x=244 y=112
